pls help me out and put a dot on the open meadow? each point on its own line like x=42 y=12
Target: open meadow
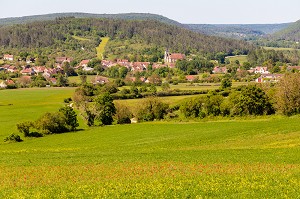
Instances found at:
x=228 y=158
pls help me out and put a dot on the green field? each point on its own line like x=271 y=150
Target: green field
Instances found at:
x=28 y=104
x=101 y=48
x=76 y=79
x=80 y=38
x=279 y=49
x=233 y=158
x=241 y=58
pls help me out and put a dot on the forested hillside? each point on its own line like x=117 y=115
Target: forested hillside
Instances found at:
x=126 y=16
x=238 y=31
x=291 y=33
x=59 y=35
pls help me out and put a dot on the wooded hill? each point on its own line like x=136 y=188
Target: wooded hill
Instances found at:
x=238 y=31
x=59 y=34
x=290 y=33
x=125 y=16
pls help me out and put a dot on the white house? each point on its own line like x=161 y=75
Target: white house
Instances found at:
x=8 y=57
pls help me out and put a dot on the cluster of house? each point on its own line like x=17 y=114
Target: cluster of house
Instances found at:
x=263 y=71
x=169 y=61
x=47 y=73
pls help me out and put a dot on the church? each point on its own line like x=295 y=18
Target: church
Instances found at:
x=173 y=57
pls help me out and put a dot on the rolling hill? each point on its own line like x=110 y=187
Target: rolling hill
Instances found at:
x=125 y=16
x=59 y=34
x=290 y=33
x=238 y=31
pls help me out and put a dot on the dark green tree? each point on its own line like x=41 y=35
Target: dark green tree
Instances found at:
x=105 y=109
x=71 y=117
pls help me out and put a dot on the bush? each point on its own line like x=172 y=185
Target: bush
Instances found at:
x=13 y=138
x=52 y=123
x=123 y=114
x=251 y=101
x=152 y=108
x=67 y=100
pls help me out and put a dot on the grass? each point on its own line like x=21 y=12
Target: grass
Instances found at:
x=80 y=38
x=257 y=158
x=101 y=48
x=28 y=104
x=241 y=58
x=76 y=79
x=280 y=49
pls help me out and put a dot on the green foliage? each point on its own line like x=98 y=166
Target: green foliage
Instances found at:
x=226 y=83
x=71 y=117
x=123 y=114
x=252 y=101
x=13 y=138
x=51 y=123
x=105 y=109
x=150 y=109
x=288 y=94
x=25 y=128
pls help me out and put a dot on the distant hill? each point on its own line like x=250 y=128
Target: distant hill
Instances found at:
x=238 y=31
x=60 y=34
x=126 y=16
x=290 y=33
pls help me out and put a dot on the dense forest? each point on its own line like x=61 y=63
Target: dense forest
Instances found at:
x=59 y=34
x=125 y=16
x=291 y=33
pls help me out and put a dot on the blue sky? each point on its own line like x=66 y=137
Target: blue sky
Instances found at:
x=184 y=11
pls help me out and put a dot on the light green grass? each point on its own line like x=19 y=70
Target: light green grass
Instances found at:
x=280 y=49
x=80 y=38
x=1 y=61
x=28 y=104
x=76 y=79
x=101 y=48
x=257 y=158
x=241 y=58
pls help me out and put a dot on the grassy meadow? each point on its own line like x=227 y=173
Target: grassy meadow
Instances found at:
x=280 y=49
x=229 y=158
x=101 y=48
x=241 y=58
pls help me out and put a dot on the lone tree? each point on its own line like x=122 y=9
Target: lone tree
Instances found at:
x=253 y=101
x=105 y=109
x=226 y=83
x=71 y=117
x=288 y=94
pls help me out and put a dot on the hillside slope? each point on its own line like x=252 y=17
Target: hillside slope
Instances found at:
x=291 y=33
x=238 y=31
x=59 y=34
x=125 y=16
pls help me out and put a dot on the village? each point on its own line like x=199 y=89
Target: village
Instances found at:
x=30 y=69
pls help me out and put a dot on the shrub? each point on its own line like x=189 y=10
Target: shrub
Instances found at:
x=51 y=123
x=123 y=114
x=13 y=138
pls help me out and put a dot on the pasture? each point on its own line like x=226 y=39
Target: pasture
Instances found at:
x=101 y=48
x=232 y=158
x=240 y=58
x=280 y=49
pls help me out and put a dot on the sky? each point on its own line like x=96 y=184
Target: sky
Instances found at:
x=184 y=11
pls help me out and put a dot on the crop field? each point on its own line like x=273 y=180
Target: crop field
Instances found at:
x=241 y=58
x=229 y=158
x=80 y=38
x=20 y=105
x=101 y=48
